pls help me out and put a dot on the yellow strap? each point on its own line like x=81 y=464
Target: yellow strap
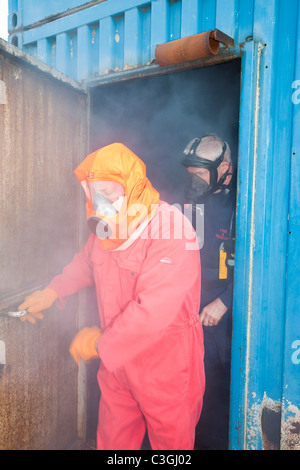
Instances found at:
x=222 y=265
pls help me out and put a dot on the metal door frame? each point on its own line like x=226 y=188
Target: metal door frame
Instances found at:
x=263 y=375
x=245 y=243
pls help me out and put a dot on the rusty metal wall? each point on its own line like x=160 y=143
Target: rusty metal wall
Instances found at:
x=42 y=139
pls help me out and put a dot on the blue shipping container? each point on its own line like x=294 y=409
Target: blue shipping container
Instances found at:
x=103 y=42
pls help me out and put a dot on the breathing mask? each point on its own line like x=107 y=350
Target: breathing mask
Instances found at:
x=104 y=211
x=198 y=189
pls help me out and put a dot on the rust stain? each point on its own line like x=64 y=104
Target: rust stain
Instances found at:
x=270 y=415
x=290 y=438
x=276 y=423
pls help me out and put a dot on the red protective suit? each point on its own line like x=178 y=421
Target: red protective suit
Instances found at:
x=151 y=348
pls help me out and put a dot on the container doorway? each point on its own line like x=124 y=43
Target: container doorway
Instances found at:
x=156 y=118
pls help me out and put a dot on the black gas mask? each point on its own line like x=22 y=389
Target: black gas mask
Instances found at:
x=198 y=189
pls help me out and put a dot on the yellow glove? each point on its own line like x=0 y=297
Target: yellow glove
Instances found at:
x=83 y=345
x=36 y=302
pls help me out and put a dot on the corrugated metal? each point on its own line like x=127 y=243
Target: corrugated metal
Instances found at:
x=104 y=43
x=29 y=13
x=120 y=35
x=291 y=353
x=43 y=136
x=262 y=344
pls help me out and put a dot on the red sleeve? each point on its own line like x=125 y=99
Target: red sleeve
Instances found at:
x=75 y=276
x=169 y=284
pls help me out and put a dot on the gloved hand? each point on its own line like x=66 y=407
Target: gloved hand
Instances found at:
x=83 y=345
x=36 y=302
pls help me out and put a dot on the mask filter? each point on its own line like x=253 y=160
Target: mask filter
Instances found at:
x=106 y=209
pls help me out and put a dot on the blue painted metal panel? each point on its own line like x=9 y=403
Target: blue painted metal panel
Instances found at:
x=245 y=15
x=88 y=51
x=275 y=130
x=133 y=37
x=226 y=16
x=291 y=353
x=105 y=44
x=44 y=51
x=30 y=12
x=207 y=16
x=260 y=287
x=159 y=24
x=14 y=15
x=118 y=42
x=72 y=53
x=145 y=23
x=174 y=17
x=263 y=336
x=145 y=31
x=190 y=17
x=61 y=52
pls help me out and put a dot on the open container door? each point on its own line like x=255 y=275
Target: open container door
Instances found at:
x=43 y=135
x=265 y=365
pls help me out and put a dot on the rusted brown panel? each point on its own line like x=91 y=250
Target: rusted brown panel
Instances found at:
x=38 y=383
x=42 y=139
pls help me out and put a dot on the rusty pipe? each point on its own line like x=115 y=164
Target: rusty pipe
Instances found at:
x=191 y=48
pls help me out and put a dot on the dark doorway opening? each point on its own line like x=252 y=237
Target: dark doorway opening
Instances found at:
x=156 y=117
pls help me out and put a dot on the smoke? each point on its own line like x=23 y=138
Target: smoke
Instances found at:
x=157 y=117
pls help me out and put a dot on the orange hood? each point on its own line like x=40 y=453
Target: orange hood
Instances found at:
x=118 y=163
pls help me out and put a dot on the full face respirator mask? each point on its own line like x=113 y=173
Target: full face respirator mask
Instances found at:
x=198 y=189
x=103 y=212
x=102 y=222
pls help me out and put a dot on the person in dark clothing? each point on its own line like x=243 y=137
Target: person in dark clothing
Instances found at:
x=212 y=191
